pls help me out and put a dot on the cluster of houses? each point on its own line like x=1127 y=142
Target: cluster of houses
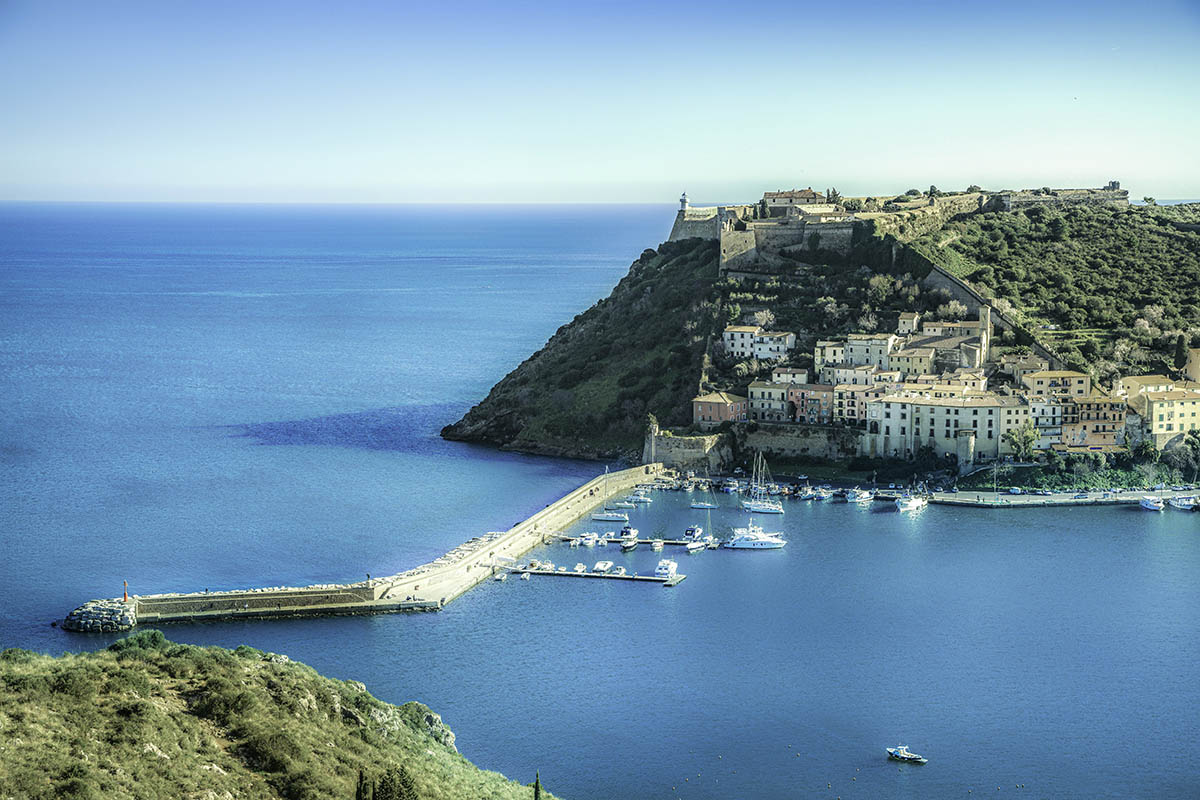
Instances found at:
x=926 y=386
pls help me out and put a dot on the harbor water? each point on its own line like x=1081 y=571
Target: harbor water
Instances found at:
x=219 y=397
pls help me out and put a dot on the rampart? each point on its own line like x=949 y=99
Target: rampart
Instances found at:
x=711 y=452
x=707 y=222
x=796 y=440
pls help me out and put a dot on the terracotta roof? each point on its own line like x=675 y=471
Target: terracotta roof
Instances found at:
x=719 y=397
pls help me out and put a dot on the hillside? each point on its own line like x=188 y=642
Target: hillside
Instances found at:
x=587 y=393
x=1108 y=288
x=148 y=718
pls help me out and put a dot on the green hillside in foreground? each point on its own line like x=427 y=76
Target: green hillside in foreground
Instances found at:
x=148 y=718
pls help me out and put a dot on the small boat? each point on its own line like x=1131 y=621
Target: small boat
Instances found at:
x=639 y=498
x=629 y=545
x=693 y=532
x=902 y=753
x=702 y=505
x=857 y=495
x=610 y=516
x=656 y=545
x=500 y=576
x=602 y=566
x=908 y=502
x=619 y=571
x=1182 y=503
x=1151 y=503
x=524 y=576
x=822 y=494
x=561 y=569
x=623 y=504
x=602 y=541
x=695 y=546
x=588 y=539
x=666 y=569
x=580 y=567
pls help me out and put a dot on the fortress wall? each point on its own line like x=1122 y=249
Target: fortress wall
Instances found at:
x=793 y=440
x=738 y=248
x=836 y=236
x=711 y=452
x=696 y=223
x=908 y=225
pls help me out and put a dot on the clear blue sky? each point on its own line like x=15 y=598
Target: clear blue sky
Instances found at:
x=615 y=101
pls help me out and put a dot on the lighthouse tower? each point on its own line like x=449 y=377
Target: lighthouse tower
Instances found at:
x=683 y=202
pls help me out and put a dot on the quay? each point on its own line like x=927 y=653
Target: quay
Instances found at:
x=973 y=499
x=427 y=587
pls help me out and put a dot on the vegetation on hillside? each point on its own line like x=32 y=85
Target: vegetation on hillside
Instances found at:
x=637 y=352
x=1109 y=288
x=148 y=718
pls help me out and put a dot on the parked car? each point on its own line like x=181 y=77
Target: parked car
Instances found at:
x=1081 y=496
x=1016 y=490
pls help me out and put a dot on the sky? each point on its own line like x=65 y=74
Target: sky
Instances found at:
x=622 y=101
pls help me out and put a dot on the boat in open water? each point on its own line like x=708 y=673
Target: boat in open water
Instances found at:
x=902 y=753
x=753 y=537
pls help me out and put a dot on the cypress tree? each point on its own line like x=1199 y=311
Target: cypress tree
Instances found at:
x=1181 y=351
x=537 y=785
x=406 y=789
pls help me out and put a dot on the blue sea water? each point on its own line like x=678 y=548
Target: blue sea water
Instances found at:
x=224 y=396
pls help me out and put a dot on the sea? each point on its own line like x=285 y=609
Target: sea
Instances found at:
x=226 y=396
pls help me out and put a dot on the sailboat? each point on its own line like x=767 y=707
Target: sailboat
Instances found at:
x=759 y=502
x=607 y=514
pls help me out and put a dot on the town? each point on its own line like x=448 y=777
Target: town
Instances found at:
x=935 y=384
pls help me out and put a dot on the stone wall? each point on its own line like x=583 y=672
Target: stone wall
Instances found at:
x=907 y=225
x=792 y=440
x=695 y=223
x=711 y=452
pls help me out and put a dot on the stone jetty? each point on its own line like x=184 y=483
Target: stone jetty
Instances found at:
x=427 y=587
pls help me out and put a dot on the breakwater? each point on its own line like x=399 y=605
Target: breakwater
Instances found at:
x=427 y=587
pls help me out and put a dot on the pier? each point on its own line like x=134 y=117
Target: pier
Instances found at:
x=674 y=580
x=427 y=587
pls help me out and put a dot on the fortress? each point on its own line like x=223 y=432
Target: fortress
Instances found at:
x=783 y=226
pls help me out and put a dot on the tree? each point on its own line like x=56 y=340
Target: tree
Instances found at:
x=364 y=789
x=832 y=195
x=1150 y=201
x=853 y=204
x=974 y=188
x=1181 y=351
x=396 y=784
x=913 y=193
x=764 y=318
x=537 y=786
x=934 y=191
x=952 y=311
x=1022 y=439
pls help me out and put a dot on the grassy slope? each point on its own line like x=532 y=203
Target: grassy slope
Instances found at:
x=639 y=351
x=161 y=720
x=1092 y=273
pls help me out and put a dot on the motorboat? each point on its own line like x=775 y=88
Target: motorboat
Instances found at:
x=588 y=539
x=822 y=494
x=561 y=569
x=500 y=576
x=701 y=504
x=629 y=532
x=602 y=541
x=666 y=569
x=610 y=516
x=695 y=546
x=656 y=545
x=623 y=504
x=1151 y=502
x=693 y=532
x=910 y=502
x=857 y=495
x=902 y=753
x=1182 y=503
x=524 y=576
x=602 y=566
x=619 y=571
x=753 y=537
x=628 y=545
x=580 y=567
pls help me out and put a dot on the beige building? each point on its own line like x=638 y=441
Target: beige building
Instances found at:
x=907 y=322
x=1057 y=382
x=1020 y=365
x=912 y=360
x=1169 y=415
x=739 y=340
x=870 y=348
x=828 y=351
x=768 y=402
x=1094 y=422
x=789 y=375
x=969 y=426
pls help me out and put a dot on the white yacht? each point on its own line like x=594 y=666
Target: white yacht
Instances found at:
x=759 y=501
x=693 y=532
x=666 y=569
x=910 y=502
x=610 y=516
x=639 y=498
x=524 y=576
x=1151 y=502
x=752 y=537
x=702 y=504
x=623 y=504
x=1182 y=503
x=602 y=566
x=588 y=539
x=656 y=545
x=696 y=545
x=857 y=495
x=821 y=494
x=619 y=571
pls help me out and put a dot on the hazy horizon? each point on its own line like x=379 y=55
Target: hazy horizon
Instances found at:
x=550 y=102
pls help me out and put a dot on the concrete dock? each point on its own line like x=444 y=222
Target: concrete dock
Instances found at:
x=427 y=587
x=674 y=580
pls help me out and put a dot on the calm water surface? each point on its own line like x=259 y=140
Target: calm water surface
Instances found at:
x=228 y=396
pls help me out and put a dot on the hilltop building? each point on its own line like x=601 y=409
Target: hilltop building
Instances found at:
x=751 y=341
x=1057 y=382
x=710 y=410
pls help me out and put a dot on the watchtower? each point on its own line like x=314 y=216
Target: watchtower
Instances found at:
x=683 y=202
